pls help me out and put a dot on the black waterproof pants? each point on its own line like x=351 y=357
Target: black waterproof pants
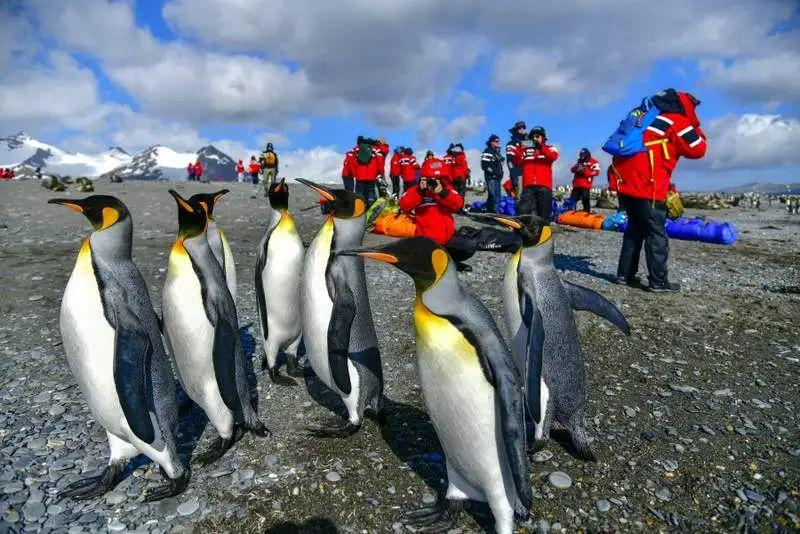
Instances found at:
x=645 y=226
x=349 y=183
x=536 y=200
x=581 y=194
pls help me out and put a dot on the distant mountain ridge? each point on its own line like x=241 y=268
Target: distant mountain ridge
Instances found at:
x=157 y=162
x=767 y=188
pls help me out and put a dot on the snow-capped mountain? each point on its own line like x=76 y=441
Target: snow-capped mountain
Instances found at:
x=156 y=163
x=216 y=164
x=23 y=150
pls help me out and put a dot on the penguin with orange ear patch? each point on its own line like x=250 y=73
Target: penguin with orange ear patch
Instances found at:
x=217 y=239
x=338 y=330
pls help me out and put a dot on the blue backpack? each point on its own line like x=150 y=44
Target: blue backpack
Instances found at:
x=628 y=140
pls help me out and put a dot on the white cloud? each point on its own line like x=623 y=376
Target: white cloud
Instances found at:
x=464 y=127
x=770 y=79
x=753 y=141
x=321 y=164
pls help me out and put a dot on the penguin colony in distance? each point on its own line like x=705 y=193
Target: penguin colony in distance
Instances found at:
x=338 y=330
x=216 y=238
x=202 y=332
x=545 y=344
x=476 y=390
x=278 y=272
x=114 y=349
x=472 y=389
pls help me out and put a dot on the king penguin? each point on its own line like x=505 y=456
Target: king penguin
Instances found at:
x=115 y=351
x=278 y=272
x=201 y=327
x=338 y=330
x=472 y=390
x=216 y=238
x=539 y=314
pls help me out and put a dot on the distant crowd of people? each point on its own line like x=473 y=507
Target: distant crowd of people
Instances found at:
x=6 y=174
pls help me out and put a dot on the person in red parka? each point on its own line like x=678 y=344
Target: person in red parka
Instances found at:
x=456 y=159
x=583 y=173
x=254 y=167
x=643 y=181
x=611 y=174
x=536 y=157
x=190 y=172
x=409 y=166
x=198 y=170
x=240 y=171
x=433 y=202
x=394 y=170
x=362 y=165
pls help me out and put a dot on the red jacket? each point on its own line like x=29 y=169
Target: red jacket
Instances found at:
x=433 y=211
x=584 y=173
x=408 y=168
x=612 y=178
x=198 y=169
x=239 y=168
x=435 y=168
x=457 y=162
x=672 y=135
x=536 y=164
x=394 y=164
x=254 y=167
x=382 y=150
x=190 y=169
x=362 y=172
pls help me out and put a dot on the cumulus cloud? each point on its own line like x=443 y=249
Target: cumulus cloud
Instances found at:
x=465 y=126
x=321 y=164
x=768 y=79
x=751 y=141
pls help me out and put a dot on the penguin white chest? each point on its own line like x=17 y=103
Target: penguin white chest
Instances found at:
x=281 y=279
x=317 y=304
x=89 y=343
x=460 y=402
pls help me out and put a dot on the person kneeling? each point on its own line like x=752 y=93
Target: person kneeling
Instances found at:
x=433 y=202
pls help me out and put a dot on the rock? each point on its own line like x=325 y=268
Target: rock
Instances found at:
x=246 y=474
x=707 y=429
x=33 y=511
x=116 y=526
x=13 y=487
x=270 y=460
x=36 y=444
x=34 y=298
x=428 y=498
x=62 y=464
x=189 y=507
x=761 y=405
x=221 y=471
x=629 y=412
x=333 y=476
x=114 y=498
x=682 y=388
x=753 y=496
x=664 y=494
x=560 y=480
x=603 y=505
x=542 y=456
x=723 y=393
x=56 y=409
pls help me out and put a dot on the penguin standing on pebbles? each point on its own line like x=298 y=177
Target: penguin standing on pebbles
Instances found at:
x=546 y=347
x=278 y=273
x=114 y=349
x=338 y=330
x=201 y=327
x=472 y=389
x=217 y=239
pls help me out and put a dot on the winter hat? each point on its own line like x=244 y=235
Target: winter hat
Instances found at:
x=584 y=153
x=492 y=139
x=538 y=130
x=408 y=151
x=269 y=146
x=398 y=150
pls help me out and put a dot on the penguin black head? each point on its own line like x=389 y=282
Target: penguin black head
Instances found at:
x=207 y=201
x=532 y=229
x=102 y=211
x=192 y=218
x=340 y=203
x=279 y=195
x=419 y=257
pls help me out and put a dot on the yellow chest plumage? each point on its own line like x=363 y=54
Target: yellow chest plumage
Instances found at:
x=438 y=338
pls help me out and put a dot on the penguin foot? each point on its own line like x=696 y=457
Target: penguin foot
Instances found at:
x=536 y=445
x=277 y=378
x=335 y=428
x=88 y=488
x=439 y=518
x=174 y=486
x=259 y=429
x=293 y=369
x=216 y=451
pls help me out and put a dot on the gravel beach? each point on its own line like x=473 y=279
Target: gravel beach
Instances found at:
x=694 y=416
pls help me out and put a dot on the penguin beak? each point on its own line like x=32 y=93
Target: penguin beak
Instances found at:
x=371 y=254
x=547 y=233
x=511 y=223
x=182 y=204
x=68 y=202
x=323 y=191
x=219 y=194
x=488 y=217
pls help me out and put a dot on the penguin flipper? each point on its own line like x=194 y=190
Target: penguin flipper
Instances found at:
x=342 y=316
x=225 y=363
x=532 y=318
x=260 y=299
x=583 y=298
x=133 y=357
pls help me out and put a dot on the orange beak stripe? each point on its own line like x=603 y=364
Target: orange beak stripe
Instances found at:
x=72 y=206
x=380 y=256
x=324 y=194
x=508 y=222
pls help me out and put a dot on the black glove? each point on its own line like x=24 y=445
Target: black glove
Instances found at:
x=536 y=144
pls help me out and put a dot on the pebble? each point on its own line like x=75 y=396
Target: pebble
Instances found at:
x=34 y=298
x=723 y=393
x=13 y=487
x=270 y=460
x=57 y=409
x=61 y=464
x=189 y=507
x=682 y=388
x=115 y=498
x=33 y=511
x=664 y=494
x=333 y=476
x=603 y=505
x=630 y=412
x=37 y=443
x=246 y=474
x=707 y=429
x=221 y=471
x=560 y=479
x=428 y=498
x=753 y=496
x=542 y=456
x=116 y=526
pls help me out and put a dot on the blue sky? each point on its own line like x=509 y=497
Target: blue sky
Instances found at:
x=311 y=76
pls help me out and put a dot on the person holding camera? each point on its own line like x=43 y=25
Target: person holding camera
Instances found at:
x=433 y=202
x=583 y=173
x=535 y=157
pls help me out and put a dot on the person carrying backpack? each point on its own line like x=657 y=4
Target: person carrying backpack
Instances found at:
x=362 y=166
x=394 y=170
x=254 y=167
x=662 y=130
x=535 y=157
x=518 y=135
x=492 y=166
x=269 y=166
x=583 y=173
